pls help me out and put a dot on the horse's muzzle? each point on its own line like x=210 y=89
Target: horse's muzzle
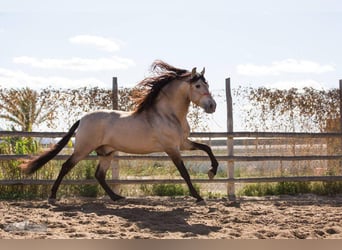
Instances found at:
x=210 y=106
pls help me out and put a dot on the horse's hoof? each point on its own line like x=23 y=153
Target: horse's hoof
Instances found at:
x=118 y=198
x=201 y=202
x=211 y=175
x=52 y=201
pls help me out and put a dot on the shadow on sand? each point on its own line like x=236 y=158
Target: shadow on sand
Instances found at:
x=157 y=217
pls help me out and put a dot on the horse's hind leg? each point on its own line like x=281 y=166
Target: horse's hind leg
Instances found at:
x=100 y=175
x=66 y=167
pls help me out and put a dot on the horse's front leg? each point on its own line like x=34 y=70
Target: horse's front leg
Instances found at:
x=190 y=145
x=176 y=158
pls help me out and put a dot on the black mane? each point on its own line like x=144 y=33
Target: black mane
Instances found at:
x=163 y=74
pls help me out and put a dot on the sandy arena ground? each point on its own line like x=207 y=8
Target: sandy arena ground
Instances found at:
x=307 y=217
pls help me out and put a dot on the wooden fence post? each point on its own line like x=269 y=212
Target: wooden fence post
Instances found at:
x=115 y=93
x=230 y=142
x=340 y=127
x=115 y=161
x=341 y=105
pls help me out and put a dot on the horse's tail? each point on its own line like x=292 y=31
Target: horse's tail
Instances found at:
x=33 y=165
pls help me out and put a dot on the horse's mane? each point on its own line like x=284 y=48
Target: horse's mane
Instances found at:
x=150 y=87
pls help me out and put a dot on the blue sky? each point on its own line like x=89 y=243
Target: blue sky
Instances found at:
x=282 y=44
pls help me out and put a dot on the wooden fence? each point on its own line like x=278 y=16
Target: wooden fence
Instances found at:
x=230 y=159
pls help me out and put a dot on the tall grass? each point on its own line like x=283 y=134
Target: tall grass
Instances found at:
x=84 y=170
x=9 y=170
x=140 y=169
x=289 y=147
x=292 y=188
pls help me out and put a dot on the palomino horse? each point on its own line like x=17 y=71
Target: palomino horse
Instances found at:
x=158 y=124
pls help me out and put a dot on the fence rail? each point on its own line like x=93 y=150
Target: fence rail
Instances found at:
x=242 y=134
x=230 y=158
x=193 y=158
x=176 y=181
x=220 y=158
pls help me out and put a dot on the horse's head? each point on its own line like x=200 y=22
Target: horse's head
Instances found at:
x=199 y=92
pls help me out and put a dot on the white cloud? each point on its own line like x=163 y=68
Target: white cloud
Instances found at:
x=284 y=66
x=76 y=63
x=102 y=43
x=82 y=64
x=17 y=79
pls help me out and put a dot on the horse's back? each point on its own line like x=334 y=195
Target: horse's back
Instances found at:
x=102 y=122
x=123 y=131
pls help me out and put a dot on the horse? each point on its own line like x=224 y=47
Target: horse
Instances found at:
x=157 y=124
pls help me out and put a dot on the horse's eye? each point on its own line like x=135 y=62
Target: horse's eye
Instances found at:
x=198 y=86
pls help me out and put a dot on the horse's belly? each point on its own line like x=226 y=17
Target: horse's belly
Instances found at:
x=135 y=143
x=138 y=148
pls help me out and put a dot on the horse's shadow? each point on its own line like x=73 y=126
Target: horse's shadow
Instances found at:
x=159 y=221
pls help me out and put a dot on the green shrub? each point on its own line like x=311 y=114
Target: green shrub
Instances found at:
x=10 y=169
x=332 y=187
x=171 y=190
x=292 y=188
x=259 y=189
x=168 y=190
x=88 y=190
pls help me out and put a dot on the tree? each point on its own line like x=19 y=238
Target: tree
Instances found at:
x=74 y=103
x=25 y=108
x=290 y=110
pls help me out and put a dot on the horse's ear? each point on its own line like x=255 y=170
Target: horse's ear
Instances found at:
x=203 y=71
x=193 y=72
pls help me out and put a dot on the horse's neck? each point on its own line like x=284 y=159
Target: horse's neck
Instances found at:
x=174 y=102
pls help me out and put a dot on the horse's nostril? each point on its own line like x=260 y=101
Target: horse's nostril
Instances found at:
x=213 y=106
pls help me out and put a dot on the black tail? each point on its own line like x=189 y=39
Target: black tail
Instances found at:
x=33 y=165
